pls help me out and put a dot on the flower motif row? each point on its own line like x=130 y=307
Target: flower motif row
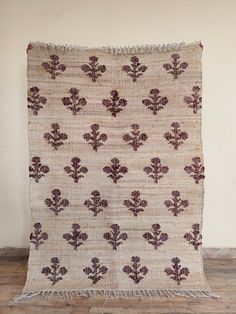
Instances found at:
x=135 y=138
x=135 y=203
x=94 y=70
x=156 y=170
x=134 y=270
x=114 y=104
x=115 y=237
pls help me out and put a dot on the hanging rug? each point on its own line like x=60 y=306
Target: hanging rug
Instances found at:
x=116 y=171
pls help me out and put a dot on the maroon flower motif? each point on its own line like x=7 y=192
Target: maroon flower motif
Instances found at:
x=75 y=171
x=53 y=66
x=156 y=171
x=176 y=204
x=93 y=69
x=176 y=137
x=37 y=237
x=177 y=272
x=36 y=101
x=176 y=67
x=94 y=273
x=115 y=236
x=196 y=169
x=114 y=104
x=37 y=169
x=156 y=102
x=157 y=237
x=115 y=169
x=135 y=271
x=94 y=138
x=55 y=138
x=96 y=204
x=136 y=138
x=134 y=70
x=74 y=102
x=194 y=237
x=195 y=100
x=55 y=272
x=136 y=204
x=56 y=203
x=76 y=238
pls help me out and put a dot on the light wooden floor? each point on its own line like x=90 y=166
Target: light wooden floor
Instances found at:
x=221 y=274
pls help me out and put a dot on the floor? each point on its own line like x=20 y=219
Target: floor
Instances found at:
x=221 y=275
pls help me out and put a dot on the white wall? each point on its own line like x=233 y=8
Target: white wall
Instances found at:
x=121 y=22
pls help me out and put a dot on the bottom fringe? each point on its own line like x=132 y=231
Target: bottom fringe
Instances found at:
x=116 y=294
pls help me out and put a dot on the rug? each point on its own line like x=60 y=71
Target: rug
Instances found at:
x=116 y=171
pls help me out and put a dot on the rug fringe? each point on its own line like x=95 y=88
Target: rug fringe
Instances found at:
x=116 y=50
x=116 y=294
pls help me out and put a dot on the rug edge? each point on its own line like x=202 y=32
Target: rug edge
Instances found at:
x=116 y=50
x=115 y=294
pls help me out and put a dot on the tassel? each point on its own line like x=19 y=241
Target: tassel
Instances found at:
x=117 y=294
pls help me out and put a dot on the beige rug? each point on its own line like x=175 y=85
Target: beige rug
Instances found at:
x=116 y=171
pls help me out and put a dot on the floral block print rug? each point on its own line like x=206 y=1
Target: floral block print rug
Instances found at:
x=116 y=171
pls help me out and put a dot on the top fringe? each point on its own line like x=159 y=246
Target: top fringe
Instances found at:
x=117 y=50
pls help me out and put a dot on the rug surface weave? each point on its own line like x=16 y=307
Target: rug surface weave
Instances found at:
x=116 y=171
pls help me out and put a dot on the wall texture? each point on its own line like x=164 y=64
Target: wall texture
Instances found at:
x=121 y=22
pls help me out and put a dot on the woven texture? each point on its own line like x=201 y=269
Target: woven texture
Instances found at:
x=116 y=171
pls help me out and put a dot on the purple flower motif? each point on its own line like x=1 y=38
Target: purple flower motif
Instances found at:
x=37 y=169
x=95 y=138
x=115 y=169
x=96 y=270
x=176 y=137
x=157 y=237
x=156 y=170
x=136 y=138
x=176 y=271
x=176 y=204
x=76 y=238
x=176 y=67
x=114 y=104
x=195 y=100
x=55 y=138
x=56 y=203
x=155 y=101
x=75 y=171
x=93 y=69
x=54 y=67
x=74 y=102
x=37 y=237
x=194 y=237
x=35 y=101
x=115 y=236
x=96 y=204
x=136 y=272
x=136 y=204
x=196 y=169
x=55 y=272
x=134 y=70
